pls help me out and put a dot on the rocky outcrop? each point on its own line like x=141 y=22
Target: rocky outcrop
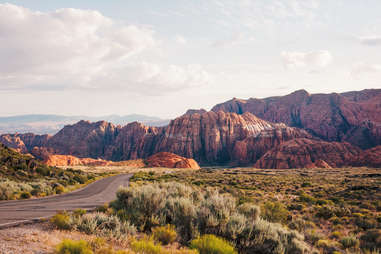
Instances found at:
x=354 y=117
x=170 y=160
x=307 y=153
x=133 y=141
x=84 y=139
x=370 y=158
x=69 y=160
x=209 y=138
x=24 y=143
x=195 y=111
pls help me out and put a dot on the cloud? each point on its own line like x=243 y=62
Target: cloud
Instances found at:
x=314 y=60
x=361 y=69
x=237 y=39
x=180 y=39
x=77 y=49
x=371 y=40
x=155 y=79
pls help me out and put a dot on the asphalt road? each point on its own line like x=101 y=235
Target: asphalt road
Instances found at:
x=89 y=197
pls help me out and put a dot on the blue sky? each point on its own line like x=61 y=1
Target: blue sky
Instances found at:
x=163 y=57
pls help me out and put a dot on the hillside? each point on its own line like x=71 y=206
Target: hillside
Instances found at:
x=354 y=117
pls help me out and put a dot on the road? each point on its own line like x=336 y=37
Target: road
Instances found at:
x=89 y=197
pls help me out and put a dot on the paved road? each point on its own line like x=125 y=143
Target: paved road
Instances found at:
x=92 y=196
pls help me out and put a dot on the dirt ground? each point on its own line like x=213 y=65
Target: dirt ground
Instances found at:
x=39 y=238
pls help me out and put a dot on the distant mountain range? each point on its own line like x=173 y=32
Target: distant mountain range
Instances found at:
x=299 y=130
x=51 y=124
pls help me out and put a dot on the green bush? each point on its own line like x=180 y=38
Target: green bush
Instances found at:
x=146 y=246
x=25 y=195
x=274 y=212
x=102 y=224
x=73 y=247
x=62 y=220
x=349 y=242
x=164 y=234
x=210 y=244
x=371 y=239
x=195 y=211
x=59 y=189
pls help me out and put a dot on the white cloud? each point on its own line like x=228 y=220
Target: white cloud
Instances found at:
x=237 y=39
x=315 y=59
x=371 y=40
x=361 y=69
x=77 y=49
x=154 y=79
x=180 y=39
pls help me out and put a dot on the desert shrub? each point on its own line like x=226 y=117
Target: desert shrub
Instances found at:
x=79 y=212
x=274 y=212
x=194 y=212
x=210 y=244
x=25 y=195
x=62 y=220
x=146 y=246
x=324 y=212
x=59 y=189
x=371 y=239
x=349 y=242
x=164 y=234
x=73 y=247
x=250 y=210
x=304 y=197
x=104 y=225
x=365 y=222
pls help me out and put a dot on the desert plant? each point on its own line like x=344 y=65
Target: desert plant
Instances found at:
x=210 y=244
x=274 y=212
x=73 y=247
x=62 y=220
x=146 y=246
x=104 y=225
x=195 y=212
x=349 y=242
x=164 y=234
x=371 y=239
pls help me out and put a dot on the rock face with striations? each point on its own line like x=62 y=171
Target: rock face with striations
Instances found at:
x=208 y=137
x=307 y=153
x=84 y=139
x=24 y=143
x=354 y=117
x=216 y=137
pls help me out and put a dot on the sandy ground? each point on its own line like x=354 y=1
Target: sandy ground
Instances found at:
x=37 y=238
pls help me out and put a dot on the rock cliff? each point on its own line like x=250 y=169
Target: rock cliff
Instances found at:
x=354 y=117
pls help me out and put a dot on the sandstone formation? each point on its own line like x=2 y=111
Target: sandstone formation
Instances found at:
x=307 y=153
x=24 y=143
x=370 y=158
x=69 y=160
x=296 y=130
x=208 y=137
x=170 y=160
x=354 y=117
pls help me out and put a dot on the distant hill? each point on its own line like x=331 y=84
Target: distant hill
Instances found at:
x=51 y=124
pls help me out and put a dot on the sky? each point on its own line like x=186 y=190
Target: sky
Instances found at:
x=162 y=57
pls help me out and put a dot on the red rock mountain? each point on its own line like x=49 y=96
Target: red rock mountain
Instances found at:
x=307 y=153
x=208 y=137
x=354 y=117
x=328 y=130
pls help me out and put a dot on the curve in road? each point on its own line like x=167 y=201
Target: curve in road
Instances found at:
x=94 y=195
